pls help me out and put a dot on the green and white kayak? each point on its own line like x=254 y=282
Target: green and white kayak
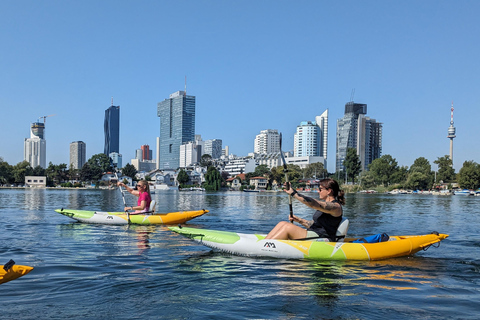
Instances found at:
x=255 y=245
x=121 y=218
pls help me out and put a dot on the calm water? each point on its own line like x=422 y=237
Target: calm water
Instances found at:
x=87 y=271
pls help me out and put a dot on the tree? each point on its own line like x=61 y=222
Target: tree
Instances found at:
x=469 y=175
x=352 y=164
x=213 y=180
x=182 y=177
x=315 y=170
x=206 y=160
x=445 y=173
x=129 y=170
x=367 y=180
x=6 y=172
x=383 y=169
x=101 y=161
x=20 y=170
x=90 y=172
x=420 y=175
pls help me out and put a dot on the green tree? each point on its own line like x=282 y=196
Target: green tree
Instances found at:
x=352 y=164
x=420 y=175
x=20 y=170
x=446 y=172
x=101 y=161
x=367 y=180
x=90 y=172
x=129 y=170
x=213 y=180
x=469 y=175
x=206 y=160
x=182 y=177
x=315 y=170
x=6 y=172
x=383 y=169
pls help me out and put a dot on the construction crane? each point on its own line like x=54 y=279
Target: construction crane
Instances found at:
x=44 y=117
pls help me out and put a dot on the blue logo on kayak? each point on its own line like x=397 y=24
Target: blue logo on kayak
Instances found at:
x=269 y=245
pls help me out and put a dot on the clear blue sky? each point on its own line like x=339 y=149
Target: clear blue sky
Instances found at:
x=253 y=65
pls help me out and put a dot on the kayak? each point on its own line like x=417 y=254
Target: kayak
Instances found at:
x=121 y=218
x=255 y=245
x=11 y=271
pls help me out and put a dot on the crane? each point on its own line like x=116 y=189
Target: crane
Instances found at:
x=44 y=117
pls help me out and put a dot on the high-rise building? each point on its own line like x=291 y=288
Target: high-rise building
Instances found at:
x=311 y=137
x=213 y=147
x=177 y=126
x=78 y=154
x=355 y=130
x=112 y=130
x=146 y=152
x=268 y=141
x=35 y=147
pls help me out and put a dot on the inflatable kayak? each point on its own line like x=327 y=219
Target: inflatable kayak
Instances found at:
x=254 y=245
x=121 y=218
x=11 y=271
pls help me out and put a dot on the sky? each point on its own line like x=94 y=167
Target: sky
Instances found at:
x=252 y=65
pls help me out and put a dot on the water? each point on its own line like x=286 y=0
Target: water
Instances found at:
x=87 y=271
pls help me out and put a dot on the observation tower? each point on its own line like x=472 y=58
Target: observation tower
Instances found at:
x=451 y=133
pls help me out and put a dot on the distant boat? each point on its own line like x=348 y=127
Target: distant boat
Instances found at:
x=247 y=190
x=192 y=189
x=161 y=187
x=464 y=192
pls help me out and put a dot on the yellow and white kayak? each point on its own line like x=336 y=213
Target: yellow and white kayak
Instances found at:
x=255 y=245
x=121 y=218
x=11 y=271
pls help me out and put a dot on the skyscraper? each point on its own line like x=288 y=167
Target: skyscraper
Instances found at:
x=311 y=137
x=35 y=147
x=177 y=126
x=355 y=130
x=78 y=154
x=112 y=130
x=268 y=141
x=146 y=152
x=213 y=147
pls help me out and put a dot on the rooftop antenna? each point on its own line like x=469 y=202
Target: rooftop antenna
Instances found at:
x=112 y=101
x=185 y=85
x=352 y=95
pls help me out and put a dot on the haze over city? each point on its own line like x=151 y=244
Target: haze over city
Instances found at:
x=251 y=65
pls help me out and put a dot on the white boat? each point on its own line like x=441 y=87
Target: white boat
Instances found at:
x=464 y=192
x=161 y=187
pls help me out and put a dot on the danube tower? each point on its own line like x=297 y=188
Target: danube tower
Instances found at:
x=451 y=133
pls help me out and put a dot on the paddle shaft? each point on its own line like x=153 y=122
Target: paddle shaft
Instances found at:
x=123 y=196
x=285 y=171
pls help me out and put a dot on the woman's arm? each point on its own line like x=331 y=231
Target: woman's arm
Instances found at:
x=304 y=222
x=332 y=208
x=132 y=191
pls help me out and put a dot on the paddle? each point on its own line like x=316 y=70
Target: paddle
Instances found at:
x=285 y=170
x=121 y=191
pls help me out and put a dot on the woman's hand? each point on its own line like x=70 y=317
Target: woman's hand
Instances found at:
x=120 y=184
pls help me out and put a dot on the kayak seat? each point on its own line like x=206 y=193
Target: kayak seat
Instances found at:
x=342 y=230
x=152 y=206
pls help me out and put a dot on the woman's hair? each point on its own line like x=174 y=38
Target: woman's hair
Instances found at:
x=145 y=183
x=338 y=194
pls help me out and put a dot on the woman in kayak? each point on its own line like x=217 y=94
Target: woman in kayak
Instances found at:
x=143 y=194
x=325 y=221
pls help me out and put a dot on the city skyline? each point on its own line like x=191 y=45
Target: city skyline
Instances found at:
x=406 y=60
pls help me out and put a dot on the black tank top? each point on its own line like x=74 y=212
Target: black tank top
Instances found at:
x=325 y=225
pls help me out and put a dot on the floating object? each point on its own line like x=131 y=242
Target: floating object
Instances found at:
x=121 y=218
x=255 y=245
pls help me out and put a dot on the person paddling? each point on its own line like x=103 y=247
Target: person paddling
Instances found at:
x=143 y=194
x=325 y=221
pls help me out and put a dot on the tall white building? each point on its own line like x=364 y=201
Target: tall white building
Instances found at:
x=311 y=137
x=268 y=141
x=78 y=154
x=35 y=147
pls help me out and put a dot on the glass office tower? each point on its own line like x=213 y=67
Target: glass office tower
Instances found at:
x=177 y=126
x=355 y=130
x=112 y=130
